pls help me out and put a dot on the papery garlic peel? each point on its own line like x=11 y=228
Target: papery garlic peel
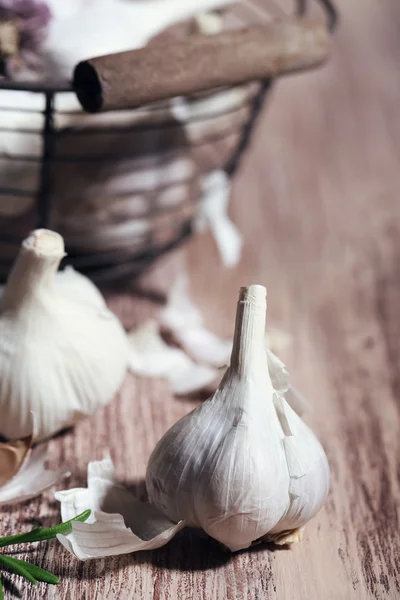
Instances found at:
x=63 y=354
x=242 y=466
x=12 y=457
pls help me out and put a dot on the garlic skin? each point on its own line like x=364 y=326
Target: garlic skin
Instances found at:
x=33 y=478
x=183 y=321
x=63 y=354
x=213 y=212
x=128 y=525
x=78 y=287
x=150 y=356
x=12 y=457
x=242 y=466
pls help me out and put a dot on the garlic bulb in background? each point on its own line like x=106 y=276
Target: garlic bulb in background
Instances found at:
x=243 y=465
x=39 y=43
x=63 y=354
x=107 y=26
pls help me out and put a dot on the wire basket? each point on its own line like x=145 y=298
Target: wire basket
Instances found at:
x=133 y=176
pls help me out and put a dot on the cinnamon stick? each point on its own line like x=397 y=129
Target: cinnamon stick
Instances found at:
x=199 y=63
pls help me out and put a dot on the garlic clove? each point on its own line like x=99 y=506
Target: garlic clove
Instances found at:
x=119 y=524
x=12 y=457
x=150 y=356
x=31 y=479
x=308 y=469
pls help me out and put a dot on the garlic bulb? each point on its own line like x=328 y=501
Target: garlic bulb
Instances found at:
x=107 y=26
x=242 y=466
x=63 y=354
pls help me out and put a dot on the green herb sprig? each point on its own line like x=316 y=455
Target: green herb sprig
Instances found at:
x=25 y=569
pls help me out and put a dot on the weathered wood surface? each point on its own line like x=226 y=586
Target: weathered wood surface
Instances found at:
x=318 y=203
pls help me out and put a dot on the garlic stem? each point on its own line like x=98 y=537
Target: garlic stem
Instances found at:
x=248 y=352
x=34 y=268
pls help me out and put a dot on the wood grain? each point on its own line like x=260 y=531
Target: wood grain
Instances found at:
x=317 y=201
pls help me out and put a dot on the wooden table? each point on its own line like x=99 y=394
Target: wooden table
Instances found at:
x=318 y=203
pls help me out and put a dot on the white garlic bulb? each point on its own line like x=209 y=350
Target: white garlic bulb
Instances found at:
x=242 y=466
x=63 y=354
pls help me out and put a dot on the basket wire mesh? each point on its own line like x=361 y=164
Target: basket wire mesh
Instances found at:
x=59 y=144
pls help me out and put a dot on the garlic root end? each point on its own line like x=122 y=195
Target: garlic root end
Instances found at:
x=285 y=537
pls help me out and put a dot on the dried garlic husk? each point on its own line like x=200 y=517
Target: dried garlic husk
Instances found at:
x=119 y=523
x=63 y=354
x=12 y=457
x=150 y=356
x=213 y=212
x=23 y=472
x=243 y=465
x=182 y=320
x=281 y=383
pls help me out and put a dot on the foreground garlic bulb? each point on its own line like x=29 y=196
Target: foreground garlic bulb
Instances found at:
x=63 y=354
x=243 y=465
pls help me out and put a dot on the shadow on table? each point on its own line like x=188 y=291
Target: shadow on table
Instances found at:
x=10 y=588
x=190 y=550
